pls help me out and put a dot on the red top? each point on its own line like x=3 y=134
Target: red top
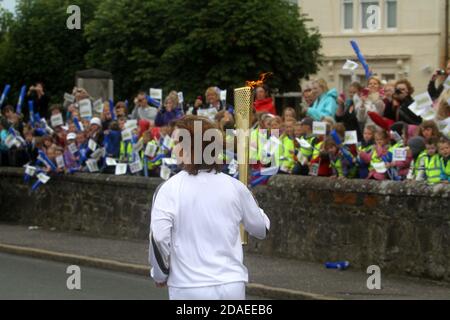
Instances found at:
x=265 y=105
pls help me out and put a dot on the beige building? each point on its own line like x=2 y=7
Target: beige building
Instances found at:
x=408 y=41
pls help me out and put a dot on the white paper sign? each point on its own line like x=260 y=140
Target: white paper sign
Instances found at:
x=447 y=83
x=10 y=141
x=131 y=124
x=444 y=123
x=314 y=170
x=69 y=98
x=137 y=147
x=92 y=145
x=274 y=141
x=416 y=109
x=98 y=153
x=57 y=120
x=165 y=173
x=85 y=108
x=269 y=171
x=150 y=150
x=156 y=94
x=223 y=95
x=98 y=106
x=29 y=170
x=73 y=148
x=302 y=159
x=121 y=169
x=209 y=113
x=233 y=167
x=423 y=100
x=127 y=135
x=446 y=131
x=92 y=165
x=111 y=162
x=351 y=137
x=43 y=178
x=303 y=143
x=180 y=97
x=169 y=162
x=136 y=166
x=399 y=154
x=60 y=162
x=379 y=167
x=350 y=65
x=319 y=128
x=428 y=114
x=167 y=142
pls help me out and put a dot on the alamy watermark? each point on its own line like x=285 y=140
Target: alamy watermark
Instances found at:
x=74 y=20
x=74 y=280
x=374 y=280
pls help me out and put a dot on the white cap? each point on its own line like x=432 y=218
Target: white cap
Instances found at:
x=96 y=121
x=71 y=136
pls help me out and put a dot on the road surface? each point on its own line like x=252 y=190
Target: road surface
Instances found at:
x=27 y=278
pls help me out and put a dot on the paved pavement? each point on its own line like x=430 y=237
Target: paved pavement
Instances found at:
x=271 y=277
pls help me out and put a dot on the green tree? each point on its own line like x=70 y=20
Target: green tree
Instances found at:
x=191 y=44
x=41 y=48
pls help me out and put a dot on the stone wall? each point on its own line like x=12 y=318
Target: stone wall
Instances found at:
x=402 y=227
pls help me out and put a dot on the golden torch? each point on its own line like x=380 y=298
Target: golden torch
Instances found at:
x=243 y=104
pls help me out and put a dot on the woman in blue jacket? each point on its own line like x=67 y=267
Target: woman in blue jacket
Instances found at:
x=168 y=112
x=326 y=103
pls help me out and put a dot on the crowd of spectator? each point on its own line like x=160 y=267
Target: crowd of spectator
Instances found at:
x=373 y=131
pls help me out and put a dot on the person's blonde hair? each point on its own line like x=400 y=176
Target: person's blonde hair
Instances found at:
x=213 y=90
x=380 y=83
x=322 y=83
x=443 y=109
x=174 y=96
x=289 y=109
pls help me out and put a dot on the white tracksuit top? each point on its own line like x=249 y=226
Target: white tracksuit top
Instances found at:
x=194 y=232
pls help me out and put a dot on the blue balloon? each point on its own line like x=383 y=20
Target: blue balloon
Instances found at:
x=36 y=185
x=77 y=124
x=111 y=109
x=259 y=181
x=31 y=109
x=153 y=102
x=23 y=92
x=4 y=94
x=361 y=59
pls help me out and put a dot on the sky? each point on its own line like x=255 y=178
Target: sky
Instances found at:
x=8 y=4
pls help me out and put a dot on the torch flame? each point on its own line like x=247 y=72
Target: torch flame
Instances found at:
x=262 y=78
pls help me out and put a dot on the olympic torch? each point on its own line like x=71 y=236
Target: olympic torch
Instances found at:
x=243 y=103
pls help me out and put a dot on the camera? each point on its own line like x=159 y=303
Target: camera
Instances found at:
x=441 y=72
x=398 y=91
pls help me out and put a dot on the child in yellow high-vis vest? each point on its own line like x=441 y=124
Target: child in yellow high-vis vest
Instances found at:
x=433 y=167
x=444 y=152
x=366 y=146
x=305 y=151
x=288 y=142
x=150 y=153
x=379 y=156
x=416 y=150
x=338 y=162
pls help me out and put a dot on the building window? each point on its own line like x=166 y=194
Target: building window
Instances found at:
x=347 y=13
x=388 y=77
x=367 y=14
x=391 y=14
